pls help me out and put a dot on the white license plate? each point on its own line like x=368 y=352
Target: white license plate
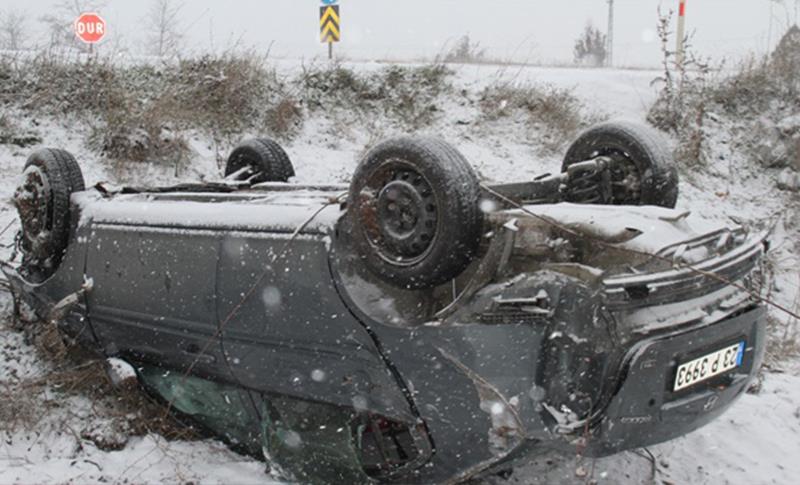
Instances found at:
x=708 y=366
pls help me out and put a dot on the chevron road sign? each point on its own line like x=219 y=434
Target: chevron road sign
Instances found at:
x=329 y=24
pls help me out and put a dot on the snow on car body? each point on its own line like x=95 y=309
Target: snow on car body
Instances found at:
x=257 y=310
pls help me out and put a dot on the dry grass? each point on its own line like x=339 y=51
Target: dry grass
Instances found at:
x=285 y=117
x=756 y=96
x=409 y=96
x=682 y=104
x=783 y=331
x=141 y=113
x=783 y=341
x=760 y=83
x=73 y=372
x=554 y=115
x=12 y=134
x=225 y=94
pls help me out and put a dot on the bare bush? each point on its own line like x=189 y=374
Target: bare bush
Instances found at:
x=757 y=84
x=465 y=51
x=783 y=338
x=140 y=134
x=785 y=62
x=554 y=115
x=223 y=94
x=140 y=112
x=61 y=84
x=590 y=47
x=760 y=101
x=7 y=127
x=13 y=24
x=163 y=28
x=284 y=118
x=763 y=96
x=681 y=107
x=12 y=134
x=408 y=95
x=143 y=112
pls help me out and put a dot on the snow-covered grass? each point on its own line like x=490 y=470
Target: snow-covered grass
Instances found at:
x=755 y=442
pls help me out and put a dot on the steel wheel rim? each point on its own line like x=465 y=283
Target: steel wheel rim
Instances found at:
x=399 y=213
x=33 y=199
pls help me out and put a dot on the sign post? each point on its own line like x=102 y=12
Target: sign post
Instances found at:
x=679 y=51
x=329 y=24
x=90 y=28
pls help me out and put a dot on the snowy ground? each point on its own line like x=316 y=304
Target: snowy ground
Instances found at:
x=755 y=442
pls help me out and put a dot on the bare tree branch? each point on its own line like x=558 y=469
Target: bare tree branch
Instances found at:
x=163 y=28
x=12 y=29
x=591 y=47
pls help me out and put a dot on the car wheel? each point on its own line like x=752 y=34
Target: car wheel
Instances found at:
x=265 y=159
x=642 y=172
x=49 y=178
x=414 y=207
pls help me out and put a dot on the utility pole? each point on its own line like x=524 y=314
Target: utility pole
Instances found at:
x=771 y=16
x=679 y=50
x=610 y=35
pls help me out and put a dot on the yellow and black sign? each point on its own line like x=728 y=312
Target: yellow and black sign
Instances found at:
x=329 y=24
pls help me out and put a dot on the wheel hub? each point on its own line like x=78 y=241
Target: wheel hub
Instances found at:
x=399 y=209
x=32 y=201
x=406 y=212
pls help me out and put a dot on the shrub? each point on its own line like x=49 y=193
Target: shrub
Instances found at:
x=222 y=94
x=681 y=106
x=407 y=95
x=139 y=136
x=61 y=85
x=139 y=112
x=11 y=134
x=284 y=117
x=591 y=47
x=465 y=51
x=554 y=115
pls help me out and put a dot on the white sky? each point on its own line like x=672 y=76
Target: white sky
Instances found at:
x=523 y=30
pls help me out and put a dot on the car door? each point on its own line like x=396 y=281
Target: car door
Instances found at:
x=154 y=295
x=286 y=331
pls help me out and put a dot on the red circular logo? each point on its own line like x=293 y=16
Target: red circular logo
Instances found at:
x=90 y=28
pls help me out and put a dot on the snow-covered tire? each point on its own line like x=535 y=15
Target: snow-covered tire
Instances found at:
x=414 y=206
x=265 y=158
x=50 y=177
x=641 y=145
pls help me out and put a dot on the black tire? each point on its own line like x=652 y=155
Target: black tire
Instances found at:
x=50 y=177
x=70 y=169
x=646 y=152
x=265 y=158
x=413 y=204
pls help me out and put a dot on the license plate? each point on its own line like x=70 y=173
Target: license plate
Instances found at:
x=708 y=366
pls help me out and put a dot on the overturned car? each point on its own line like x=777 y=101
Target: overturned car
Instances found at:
x=416 y=325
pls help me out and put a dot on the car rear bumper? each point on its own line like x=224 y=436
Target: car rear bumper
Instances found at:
x=644 y=409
